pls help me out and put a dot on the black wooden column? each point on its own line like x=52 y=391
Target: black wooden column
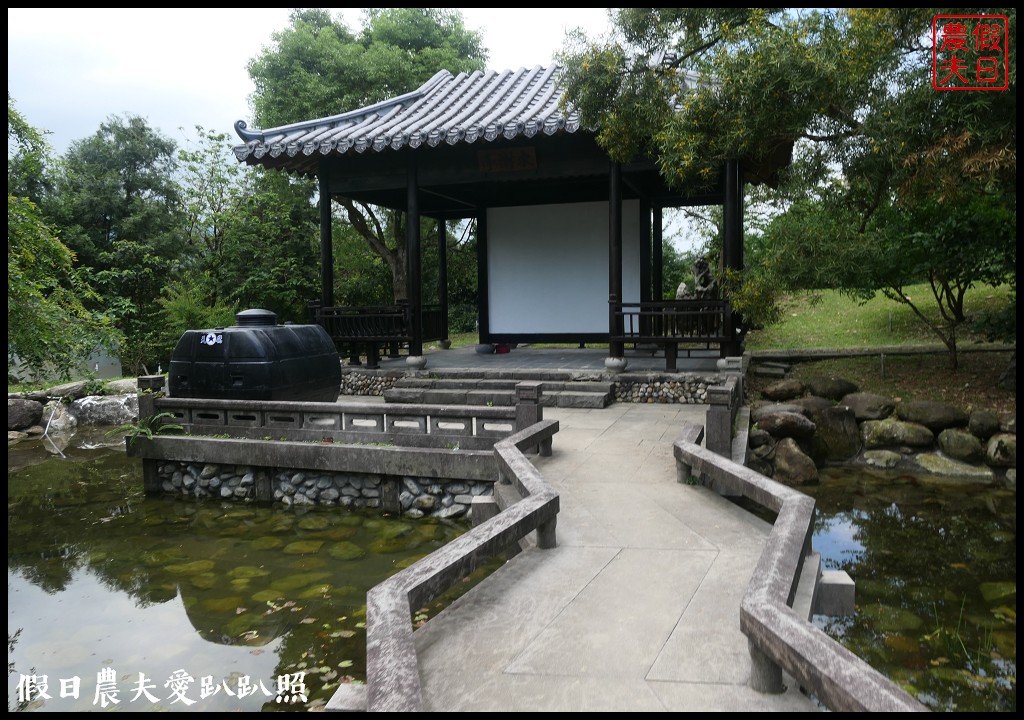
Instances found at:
x=442 y=275
x=645 y=259
x=732 y=245
x=732 y=251
x=326 y=244
x=413 y=260
x=615 y=348
x=658 y=256
x=483 y=303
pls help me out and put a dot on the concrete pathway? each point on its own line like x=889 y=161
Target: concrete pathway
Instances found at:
x=637 y=609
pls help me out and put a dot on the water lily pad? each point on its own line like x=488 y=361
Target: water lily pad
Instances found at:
x=97 y=557
x=340 y=533
x=954 y=676
x=351 y=520
x=192 y=568
x=300 y=580
x=345 y=551
x=992 y=591
x=902 y=644
x=891 y=619
x=406 y=562
x=303 y=547
x=1006 y=614
x=248 y=571
x=307 y=563
x=203 y=581
x=267 y=542
x=241 y=584
x=241 y=624
x=385 y=546
x=316 y=592
x=282 y=523
x=388 y=529
x=1005 y=641
x=428 y=532
x=314 y=522
x=265 y=596
x=223 y=605
x=153 y=558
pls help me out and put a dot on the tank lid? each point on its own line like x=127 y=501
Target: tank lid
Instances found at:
x=255 y=317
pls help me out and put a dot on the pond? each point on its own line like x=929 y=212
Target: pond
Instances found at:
x=170 y=605
x=204 y=606
x=935 y=566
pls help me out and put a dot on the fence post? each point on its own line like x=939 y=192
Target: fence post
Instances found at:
x=528 y=407
x=148 y=387
x=719 y=418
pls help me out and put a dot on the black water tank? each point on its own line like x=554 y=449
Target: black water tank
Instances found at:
x=256 y=359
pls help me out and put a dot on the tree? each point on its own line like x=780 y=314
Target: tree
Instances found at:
x=49 y=328
x=119 y=207
x=319 y=67
x=880 y=159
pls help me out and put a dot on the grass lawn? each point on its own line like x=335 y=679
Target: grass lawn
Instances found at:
x=834 y=321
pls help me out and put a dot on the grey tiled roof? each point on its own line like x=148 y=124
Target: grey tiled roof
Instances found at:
x=451 y=109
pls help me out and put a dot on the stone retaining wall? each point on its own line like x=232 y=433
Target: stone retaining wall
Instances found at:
x=367 y=384
x=687 y=390
x=416 y=497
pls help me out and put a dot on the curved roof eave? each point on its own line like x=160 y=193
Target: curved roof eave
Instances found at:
x=446 y=109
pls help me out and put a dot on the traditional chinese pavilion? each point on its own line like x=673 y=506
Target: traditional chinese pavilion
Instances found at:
x=569 y=243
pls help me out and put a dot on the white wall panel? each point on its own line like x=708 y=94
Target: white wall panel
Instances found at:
x=548 y=267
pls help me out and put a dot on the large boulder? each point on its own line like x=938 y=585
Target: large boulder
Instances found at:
x=106 y=410
x=812 y=403
x=71 y=390
x=837 y=437
x=960 y=445
x=124 y=386
x=942 y=466
x=935 y=416
x=832 y=388
x=783 y=390
x=787 y=425
x=869 y=406
x=891 y=432
x=22 y=413
x=1001 y=450
x=59 y=420
x=983 y=424
x=761 y=411
x=793 y=466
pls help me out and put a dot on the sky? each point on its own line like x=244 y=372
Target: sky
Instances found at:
x=69 y=69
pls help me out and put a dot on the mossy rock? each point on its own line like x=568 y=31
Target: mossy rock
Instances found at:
x=303 y=547
x=346 y=551
x=191 y=568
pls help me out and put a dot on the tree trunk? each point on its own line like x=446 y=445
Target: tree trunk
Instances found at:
x=367 y=224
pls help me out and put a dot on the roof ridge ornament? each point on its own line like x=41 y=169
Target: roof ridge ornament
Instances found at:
x=260 y=135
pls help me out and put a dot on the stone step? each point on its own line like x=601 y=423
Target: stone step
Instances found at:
x=599 y=397
x=769 y=371
x=500 y=385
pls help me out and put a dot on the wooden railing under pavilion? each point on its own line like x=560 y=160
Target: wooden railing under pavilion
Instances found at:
x=675 y=325
x=370 y=329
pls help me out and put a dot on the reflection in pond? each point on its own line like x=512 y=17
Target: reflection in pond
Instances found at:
x=178 y=605
x=935 y=565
